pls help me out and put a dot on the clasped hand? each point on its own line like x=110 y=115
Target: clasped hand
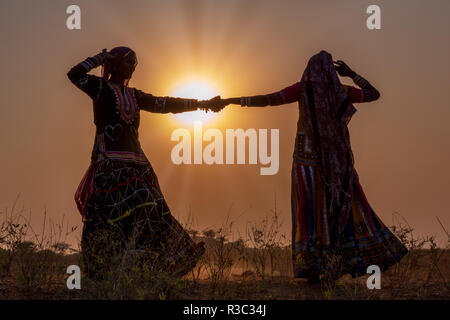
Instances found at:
x=215 y=104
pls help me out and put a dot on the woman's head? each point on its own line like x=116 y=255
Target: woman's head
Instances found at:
x=122 y=64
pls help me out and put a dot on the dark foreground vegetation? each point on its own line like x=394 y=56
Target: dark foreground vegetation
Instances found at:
x=257 y=266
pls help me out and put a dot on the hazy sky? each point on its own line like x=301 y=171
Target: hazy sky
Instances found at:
x=400 y=142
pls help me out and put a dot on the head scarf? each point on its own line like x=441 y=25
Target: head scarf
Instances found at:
x=327 y=111
x=109 y=67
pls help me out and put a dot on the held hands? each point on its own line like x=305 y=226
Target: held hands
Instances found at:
x=343 y=69
x=215 y=104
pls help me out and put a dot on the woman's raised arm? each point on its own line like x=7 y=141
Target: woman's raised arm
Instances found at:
x=367 y=92
x=88 y=83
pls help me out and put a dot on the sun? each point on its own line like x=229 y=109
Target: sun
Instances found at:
x=195 y=89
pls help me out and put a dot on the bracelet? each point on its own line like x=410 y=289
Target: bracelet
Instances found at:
x=360 y=81
x=87 y=64
x=190 y=104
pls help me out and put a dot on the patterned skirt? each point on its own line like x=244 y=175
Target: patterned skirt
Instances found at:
x=365 y=240
x=126 y=214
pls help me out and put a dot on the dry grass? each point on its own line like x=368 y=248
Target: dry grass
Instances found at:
x=257 y=266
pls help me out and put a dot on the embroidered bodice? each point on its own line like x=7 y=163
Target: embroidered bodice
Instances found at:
x=117 y=113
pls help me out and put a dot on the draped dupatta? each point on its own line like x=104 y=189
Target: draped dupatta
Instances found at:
x=327 y=112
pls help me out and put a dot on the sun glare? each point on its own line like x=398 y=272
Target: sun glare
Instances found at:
x=195 y=89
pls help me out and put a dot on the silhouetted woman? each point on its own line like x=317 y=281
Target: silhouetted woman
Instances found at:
x=123 y=209
x=333 y=225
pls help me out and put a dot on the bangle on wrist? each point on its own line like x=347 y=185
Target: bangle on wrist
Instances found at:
x=360 y=81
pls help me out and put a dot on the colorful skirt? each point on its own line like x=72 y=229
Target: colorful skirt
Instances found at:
x=127 y=213
x=365 y=241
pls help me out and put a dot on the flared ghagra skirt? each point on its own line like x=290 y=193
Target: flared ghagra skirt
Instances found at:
x=125 y=211
x=365 y=240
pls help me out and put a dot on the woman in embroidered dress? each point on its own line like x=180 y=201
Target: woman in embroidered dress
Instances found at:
x=331 y=216
x=119 y=197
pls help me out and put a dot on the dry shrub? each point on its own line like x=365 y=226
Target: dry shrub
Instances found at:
x=37 y=261
x=268 y=249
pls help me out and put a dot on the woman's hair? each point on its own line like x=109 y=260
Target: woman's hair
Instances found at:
x=110 y=65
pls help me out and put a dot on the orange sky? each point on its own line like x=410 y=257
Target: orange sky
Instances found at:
x=400 y=142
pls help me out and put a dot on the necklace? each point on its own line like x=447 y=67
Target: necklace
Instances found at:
x=125 y=102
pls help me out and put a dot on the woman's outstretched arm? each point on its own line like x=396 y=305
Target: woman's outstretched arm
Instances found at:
x=290 y=94
x=151 y=103
x=287 y=95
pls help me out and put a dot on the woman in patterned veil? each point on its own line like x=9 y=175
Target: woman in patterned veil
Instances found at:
x=119 y=197
x=331 y=217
